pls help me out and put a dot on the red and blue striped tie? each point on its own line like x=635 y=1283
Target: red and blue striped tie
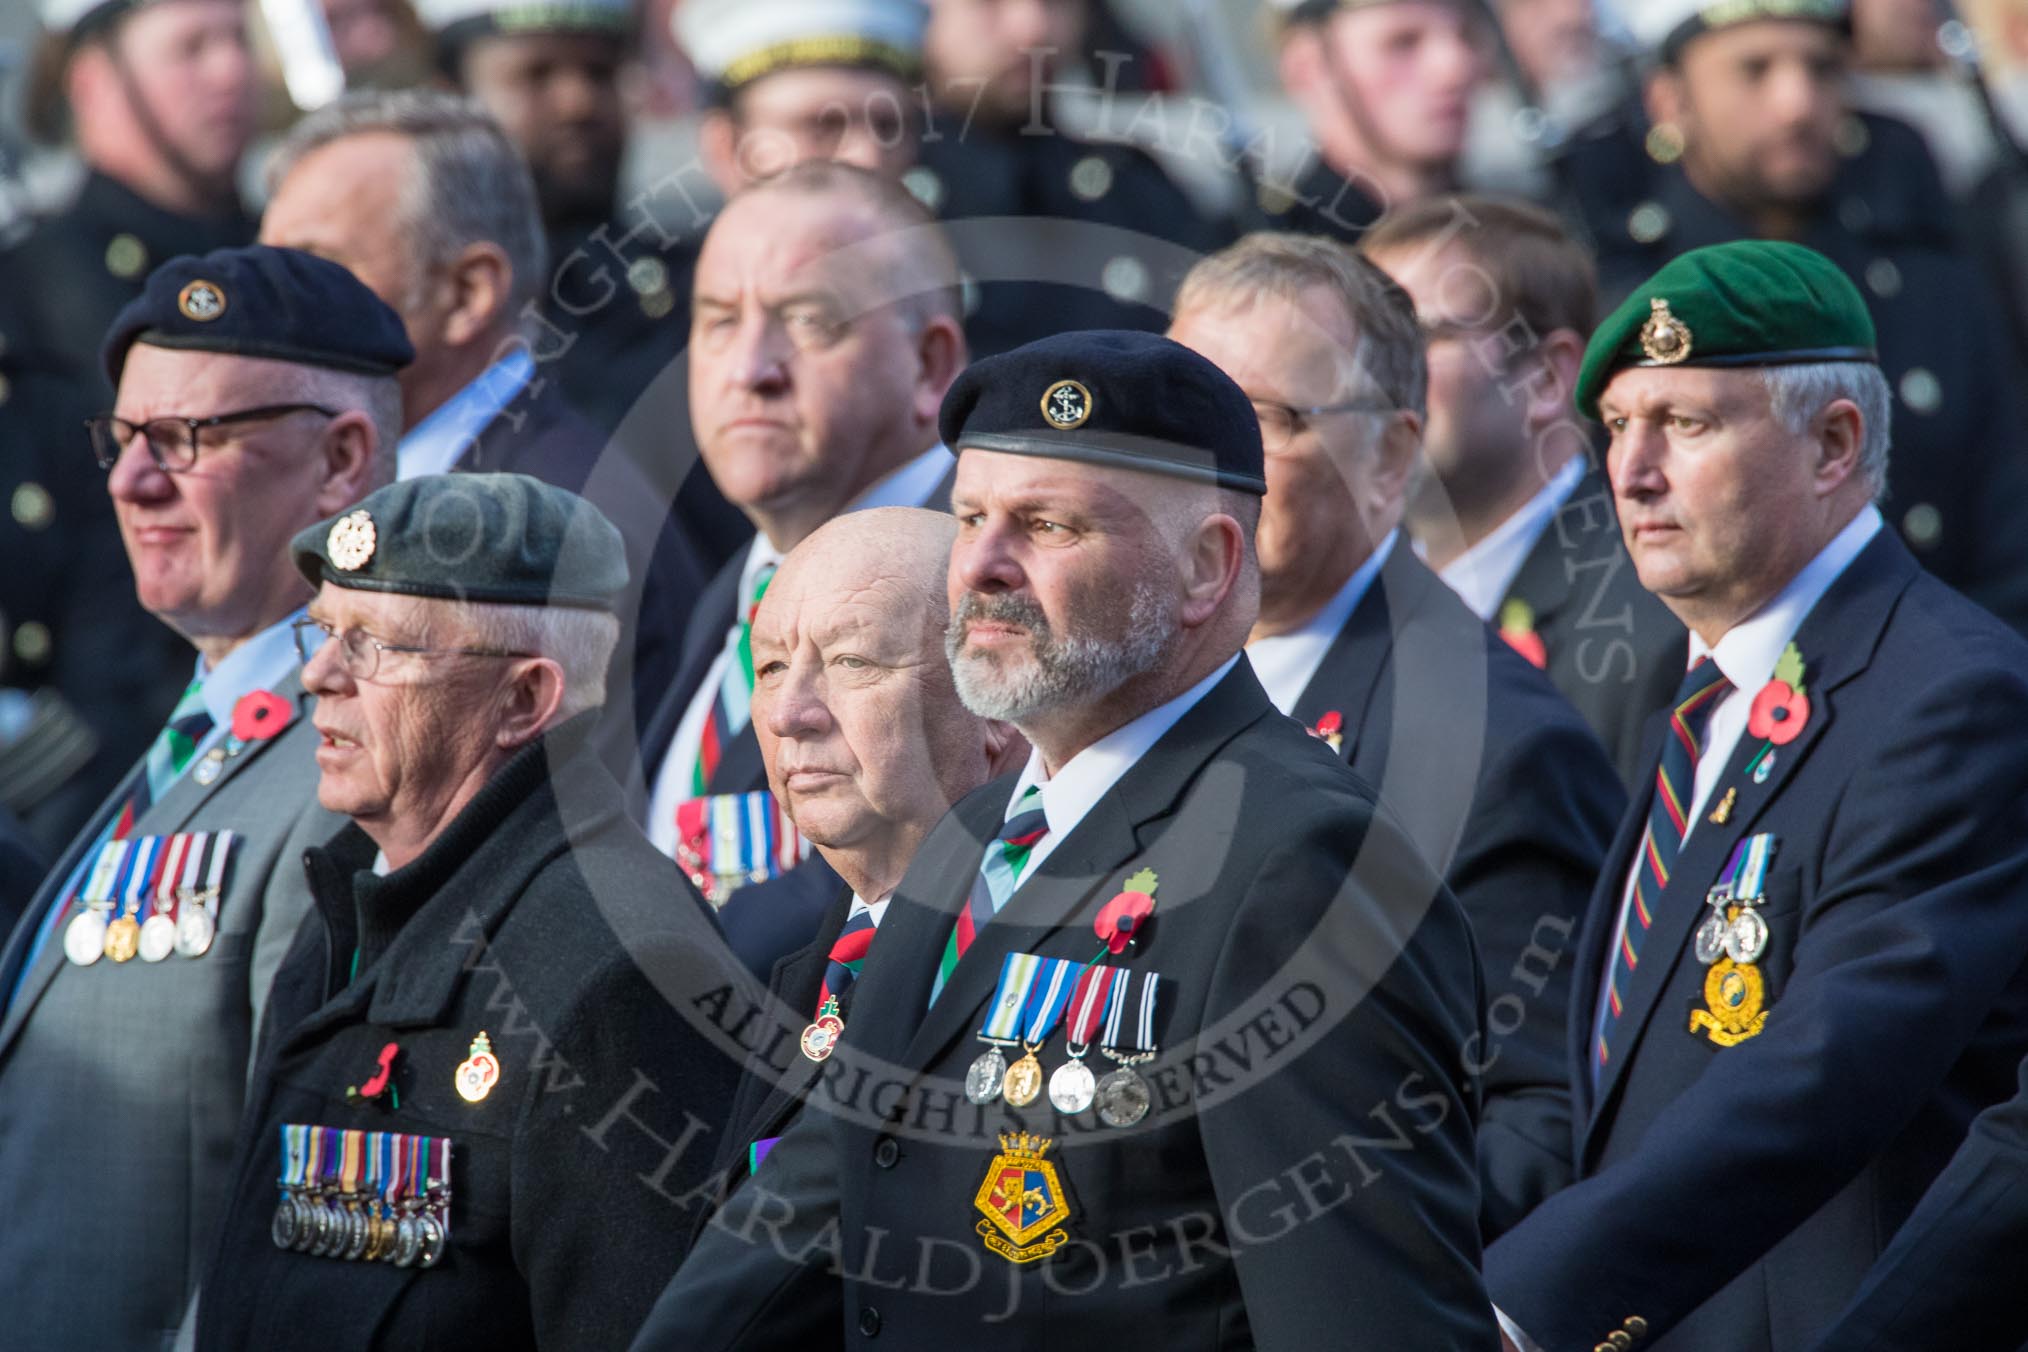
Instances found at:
x=1668 y=824
x=999 y=874
x=847 y=956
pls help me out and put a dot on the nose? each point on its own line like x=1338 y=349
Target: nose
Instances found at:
x=794 y=707
x=1634 y=461
x=325 y=674
x=985 y=562
x=1792 y=92
x=135 y=476
x=575 y=96
x=860 y=148
x=761 y=359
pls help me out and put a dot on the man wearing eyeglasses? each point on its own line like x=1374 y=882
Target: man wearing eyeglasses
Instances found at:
x=255 y=393
x=1494 y=774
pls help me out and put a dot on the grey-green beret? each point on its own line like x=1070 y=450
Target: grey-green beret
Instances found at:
x=506 y=539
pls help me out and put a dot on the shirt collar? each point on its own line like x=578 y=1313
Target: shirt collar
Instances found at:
x=1748 y=651
x=1091 y=773
x=1483 y=573
x=263 y=662
x=1286 y=663
x=910 y=485
x=437 y=443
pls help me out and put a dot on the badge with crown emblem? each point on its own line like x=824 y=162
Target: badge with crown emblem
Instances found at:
x=352 y=541
x=1665 y=338
x=1022 y=1200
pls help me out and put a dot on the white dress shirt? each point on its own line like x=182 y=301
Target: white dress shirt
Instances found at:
x=1482 y=575
x=1090 y=775
x=438 y=442
x=908 y=486
x=1287 y=663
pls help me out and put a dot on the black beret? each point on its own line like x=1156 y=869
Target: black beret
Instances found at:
x=504 y=539
x=1113 y=397
x=260 y=301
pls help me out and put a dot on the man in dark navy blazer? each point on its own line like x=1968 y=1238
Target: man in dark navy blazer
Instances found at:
x=867 y=746
x=1293 y=1164
x=1801 y=978
x=826 y=330
x=1494 y=774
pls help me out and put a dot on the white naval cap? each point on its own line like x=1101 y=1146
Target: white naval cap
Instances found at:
x=734 y=42
x=67 y=16
x=458 y=18
x=1661 y=27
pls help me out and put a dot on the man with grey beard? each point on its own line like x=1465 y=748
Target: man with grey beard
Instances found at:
x=1237 y=980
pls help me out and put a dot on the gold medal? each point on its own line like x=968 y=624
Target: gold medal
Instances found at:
x=478 y=1072
x=1024 y=1080
x=123 y=938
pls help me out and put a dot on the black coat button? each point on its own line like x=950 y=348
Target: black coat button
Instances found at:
x=886 y=1153
x=869 y=1321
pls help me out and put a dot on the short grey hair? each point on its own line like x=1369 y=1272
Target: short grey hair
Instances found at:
x=1797 y=394
x=1388 y=338
x=469 y=182
x=580 y=641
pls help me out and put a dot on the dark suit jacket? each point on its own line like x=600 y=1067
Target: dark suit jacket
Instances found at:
x=1952 y=1276
x=1518 y=817
x=1734 y=1197
x=541 y=435
x=1309 y=1118
x=1614 y=651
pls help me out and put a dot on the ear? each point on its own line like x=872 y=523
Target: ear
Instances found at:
x=940 y=355
x=1394 y=460
x=529 y=703
x=1663 y=98
x=480 y=280
x=1552 y=379
x=718 y=143
x=1841 y=440
x=345 y=466
x=1214 y=555
x=1299 y=61
x=1006 y=748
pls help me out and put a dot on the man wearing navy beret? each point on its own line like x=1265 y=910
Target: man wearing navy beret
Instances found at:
x=1159 y=1044
x=1800 y=976
x=256 y=392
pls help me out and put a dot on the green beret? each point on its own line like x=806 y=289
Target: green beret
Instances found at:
x=504 y=539
x=1751 y=302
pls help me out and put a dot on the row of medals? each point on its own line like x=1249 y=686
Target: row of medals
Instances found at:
x=328 y=1224
x=90 y=935
x=1121 y=1094
x=1743 y=937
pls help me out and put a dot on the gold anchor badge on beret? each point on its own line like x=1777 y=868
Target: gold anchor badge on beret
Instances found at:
x=201 y=300
x=351 y=541
x=1066 y=404
x=1665 y=338
x=479 y=1071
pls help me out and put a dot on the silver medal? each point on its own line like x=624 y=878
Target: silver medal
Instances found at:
x=1122 y=1098
x=1711 y=938
x=407 y=1242
x=983 y=1080
x=283 y=1231
x=84 y=938
x=1071 y=1088
x=158 y=938
x=1746 y=937
x=355 y=1235
x=206 y=771
x=195 y=929
x=432 y=1234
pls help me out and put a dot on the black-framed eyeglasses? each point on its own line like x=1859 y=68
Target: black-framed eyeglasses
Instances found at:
x=172 y=441
x=1280 y=423
x=359 y=652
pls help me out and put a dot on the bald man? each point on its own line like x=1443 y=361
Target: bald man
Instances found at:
x=867 y=746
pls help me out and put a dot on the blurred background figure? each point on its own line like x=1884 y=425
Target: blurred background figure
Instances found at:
x=154 y=99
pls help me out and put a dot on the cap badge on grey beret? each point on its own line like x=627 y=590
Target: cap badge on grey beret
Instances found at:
x=351 y=541
x=1665 y=338
x=1066 y=404
x=201 y=301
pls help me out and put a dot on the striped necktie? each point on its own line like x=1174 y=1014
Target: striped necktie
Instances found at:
x=168 y=756
x=848 y=955
x=733 y=707
x=1668 y=824
x=1007 y=857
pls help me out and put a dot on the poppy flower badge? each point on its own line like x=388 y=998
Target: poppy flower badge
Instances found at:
x=1121 y=920
x=1330 y=730
x=1781 y=710
x=1517 y=627
x=260 y=714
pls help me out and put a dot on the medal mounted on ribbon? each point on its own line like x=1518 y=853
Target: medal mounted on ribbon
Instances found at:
x=148 y=897
x=1026 y=1005
x=363 y=1196
x=1729 y=942
x=725 y=841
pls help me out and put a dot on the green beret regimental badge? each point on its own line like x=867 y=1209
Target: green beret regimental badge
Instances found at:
x=201 y=301
x=351 y=542
x=1066 y=404
x=1665 y=338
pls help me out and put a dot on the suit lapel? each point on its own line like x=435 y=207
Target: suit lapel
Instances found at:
x=1348 y=679
x=1837 y=640
x=1543 y=580
x=701 y=645
x=165 y=817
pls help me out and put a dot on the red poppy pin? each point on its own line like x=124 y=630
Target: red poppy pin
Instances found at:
x=1126 y=915
x=1330 y=730
x=1781 y=710
x=259 y=715
x=1517 y=626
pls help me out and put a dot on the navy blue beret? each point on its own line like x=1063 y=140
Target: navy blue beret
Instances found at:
x=260 y=301
x=1112 y=397
x=502 y=539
